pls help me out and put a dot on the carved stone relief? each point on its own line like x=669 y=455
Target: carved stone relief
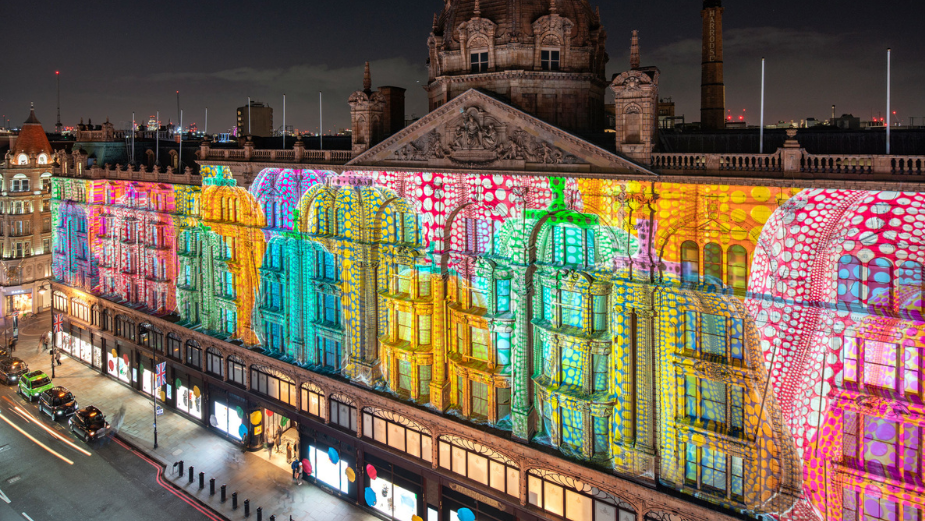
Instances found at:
x=476 y=138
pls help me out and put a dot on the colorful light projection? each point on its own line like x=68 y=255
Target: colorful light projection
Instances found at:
x=765 y=343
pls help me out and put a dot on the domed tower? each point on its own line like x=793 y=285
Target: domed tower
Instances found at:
x=546 y=56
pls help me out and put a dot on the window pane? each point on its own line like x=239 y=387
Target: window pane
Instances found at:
x=880 y=364
x=577 y=506
x=478 y=468
x=881 y=438
x=553 y=500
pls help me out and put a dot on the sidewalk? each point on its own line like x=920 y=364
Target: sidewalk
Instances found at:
x=265 y=484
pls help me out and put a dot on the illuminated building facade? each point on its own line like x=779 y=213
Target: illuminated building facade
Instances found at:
x=498 y=314
x=25 y=222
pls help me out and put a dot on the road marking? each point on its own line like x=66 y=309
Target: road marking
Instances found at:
x=4 y=498
x=14 y=479
x=37 y=442
x=27 y=516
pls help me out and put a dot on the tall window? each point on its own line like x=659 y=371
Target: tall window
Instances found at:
x=503 y=295
x=573 y=246
x=405 y=325
x=549 y=60
x=424 y=329
x=706 y=468
x=690 y=262
x=479 y=399
x=235 y=370
x=328 y=353
x=479 y=61
x=193 y=354
x=599 y=313
x=481 y=340
x=214 y=362
x=737 y=269
x=880 y=284
x=477 y=291
x=883 y=367
x=883 y=447
x=713 y=263
x=327 y=268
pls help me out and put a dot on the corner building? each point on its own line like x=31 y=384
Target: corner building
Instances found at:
x=500 y=315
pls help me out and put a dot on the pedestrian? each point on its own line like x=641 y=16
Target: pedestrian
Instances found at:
x=278 y=441
x=269 y=449
x=288 y=450
x=297 y=471
x=58 y=356
x=52 y=363
x=12 y=345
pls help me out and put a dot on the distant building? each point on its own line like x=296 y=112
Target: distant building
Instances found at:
x=255 y=120
x=847 y=121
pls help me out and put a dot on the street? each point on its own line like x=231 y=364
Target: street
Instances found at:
x=47 y=473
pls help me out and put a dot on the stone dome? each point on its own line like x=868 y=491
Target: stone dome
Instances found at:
x=515 y=18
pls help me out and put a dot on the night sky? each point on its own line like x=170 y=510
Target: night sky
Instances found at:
x=123 y=56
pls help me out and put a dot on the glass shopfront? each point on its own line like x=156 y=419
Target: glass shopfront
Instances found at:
x=227 y=413
x=189 y=394
x=118 y=364
x=399 y=492
x=76 y=343
x=334 y=475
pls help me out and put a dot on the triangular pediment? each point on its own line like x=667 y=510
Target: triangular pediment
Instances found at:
x=477 y=131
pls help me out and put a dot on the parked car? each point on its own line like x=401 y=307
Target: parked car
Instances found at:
x=11 y=369
x=89 y=424
x=33 y=384
x=58 y=402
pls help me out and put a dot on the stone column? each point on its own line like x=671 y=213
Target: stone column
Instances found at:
x=438 y=387
x=645 y=381
x=522 y=413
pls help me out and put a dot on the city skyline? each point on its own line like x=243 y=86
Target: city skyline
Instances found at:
x=822 y=60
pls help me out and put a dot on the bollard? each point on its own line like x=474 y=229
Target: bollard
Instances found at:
x=272 y=518
x=211 y=486
x=223 y=493
x=247 y=507
x=190 y=473
x=234 y=500
x=202 y=480
x=181 y=468
x=259 y=514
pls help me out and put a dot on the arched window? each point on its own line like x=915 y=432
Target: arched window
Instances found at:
x=737 y=269
x=690 y=262
x=214 y=362
x=23 y=159
x=193 y=354
x=880 y=284
x=173 y=346
x=43 y=159
x=909 y=289
x=713 y=263
x=849 y=280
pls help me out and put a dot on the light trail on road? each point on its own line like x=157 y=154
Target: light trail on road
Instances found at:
x=55 y=434
x=37 y=442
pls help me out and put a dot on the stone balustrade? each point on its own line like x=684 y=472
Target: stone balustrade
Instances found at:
x=297 y=154
x=789 y=160
x=129 y=173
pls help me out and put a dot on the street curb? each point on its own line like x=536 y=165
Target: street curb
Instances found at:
x=168 y=480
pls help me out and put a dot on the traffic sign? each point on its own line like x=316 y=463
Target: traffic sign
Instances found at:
x=160 y=410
